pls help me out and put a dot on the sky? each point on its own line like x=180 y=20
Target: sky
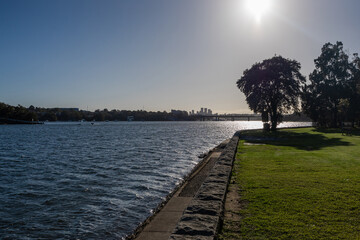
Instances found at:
x=157 y=55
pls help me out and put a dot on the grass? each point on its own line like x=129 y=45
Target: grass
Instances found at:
x=299 y=184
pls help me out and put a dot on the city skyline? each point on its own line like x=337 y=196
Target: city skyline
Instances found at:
x=157 y=55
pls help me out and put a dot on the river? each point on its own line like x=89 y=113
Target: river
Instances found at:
x=84 y=181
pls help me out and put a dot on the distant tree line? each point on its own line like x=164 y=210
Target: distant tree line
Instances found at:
x=276 y=87
x=58 y=114
x=19 y=112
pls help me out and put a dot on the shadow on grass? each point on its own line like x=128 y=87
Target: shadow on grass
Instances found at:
x=303 y=141
x=350 y=132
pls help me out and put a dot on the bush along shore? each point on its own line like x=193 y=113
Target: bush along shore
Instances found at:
x=294 y=184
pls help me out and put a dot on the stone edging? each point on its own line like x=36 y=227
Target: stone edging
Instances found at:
x=201 y=219
x=186 y=178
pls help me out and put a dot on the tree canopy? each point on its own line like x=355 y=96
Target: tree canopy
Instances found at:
x=331 y=96
x=19 y=112
x=273 y=88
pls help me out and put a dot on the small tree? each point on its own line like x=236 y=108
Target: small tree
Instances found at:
x=274 y=87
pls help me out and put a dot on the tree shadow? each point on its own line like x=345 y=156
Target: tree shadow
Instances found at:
x=347 y=132
x=302 y=141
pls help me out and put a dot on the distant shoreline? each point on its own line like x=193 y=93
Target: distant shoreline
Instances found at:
x=36 y=114
x=8 y=121
x=22 y=122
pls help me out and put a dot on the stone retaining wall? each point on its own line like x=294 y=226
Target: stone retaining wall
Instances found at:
x=202 y=217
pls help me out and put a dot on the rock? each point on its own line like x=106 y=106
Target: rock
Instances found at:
x=202 y=216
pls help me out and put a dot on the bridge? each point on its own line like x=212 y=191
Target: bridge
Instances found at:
x=230 y=117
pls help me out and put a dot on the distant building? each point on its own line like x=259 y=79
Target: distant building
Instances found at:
x=179 y=112
x=203 y=111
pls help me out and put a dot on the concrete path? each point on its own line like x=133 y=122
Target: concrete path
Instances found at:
x=164 y=223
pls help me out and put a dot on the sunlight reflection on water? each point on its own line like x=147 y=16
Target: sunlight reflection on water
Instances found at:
x=96 y=181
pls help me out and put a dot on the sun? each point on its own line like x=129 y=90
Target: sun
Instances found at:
x=258 y=8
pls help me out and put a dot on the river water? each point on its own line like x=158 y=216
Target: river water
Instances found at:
x=83 y=181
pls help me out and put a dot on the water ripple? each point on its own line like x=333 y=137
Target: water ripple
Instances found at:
x=71 y=181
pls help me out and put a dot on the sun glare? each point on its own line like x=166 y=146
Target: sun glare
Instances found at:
x=258 y=8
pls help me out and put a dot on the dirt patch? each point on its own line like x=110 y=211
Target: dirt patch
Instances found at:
x=253 y=144
x=233 y=203
x=232 y=218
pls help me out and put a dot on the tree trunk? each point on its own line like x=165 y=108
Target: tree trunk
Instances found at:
x=273 y=120
x=273 y=125
x=335 y=118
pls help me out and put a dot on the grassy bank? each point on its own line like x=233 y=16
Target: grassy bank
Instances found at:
x=296 y=184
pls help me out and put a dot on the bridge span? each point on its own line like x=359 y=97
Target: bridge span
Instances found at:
x=230 y=117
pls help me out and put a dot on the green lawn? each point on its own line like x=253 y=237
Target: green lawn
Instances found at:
x=302 y=184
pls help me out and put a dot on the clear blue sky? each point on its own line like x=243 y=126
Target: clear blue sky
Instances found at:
x=156 y=54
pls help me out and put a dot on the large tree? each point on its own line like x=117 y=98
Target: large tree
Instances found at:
x=330 y=85
x=354 y=99
x=273 y=87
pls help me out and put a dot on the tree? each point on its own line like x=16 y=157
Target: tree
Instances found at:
x=354 y=100
x=330 y=84
x=273 y=87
